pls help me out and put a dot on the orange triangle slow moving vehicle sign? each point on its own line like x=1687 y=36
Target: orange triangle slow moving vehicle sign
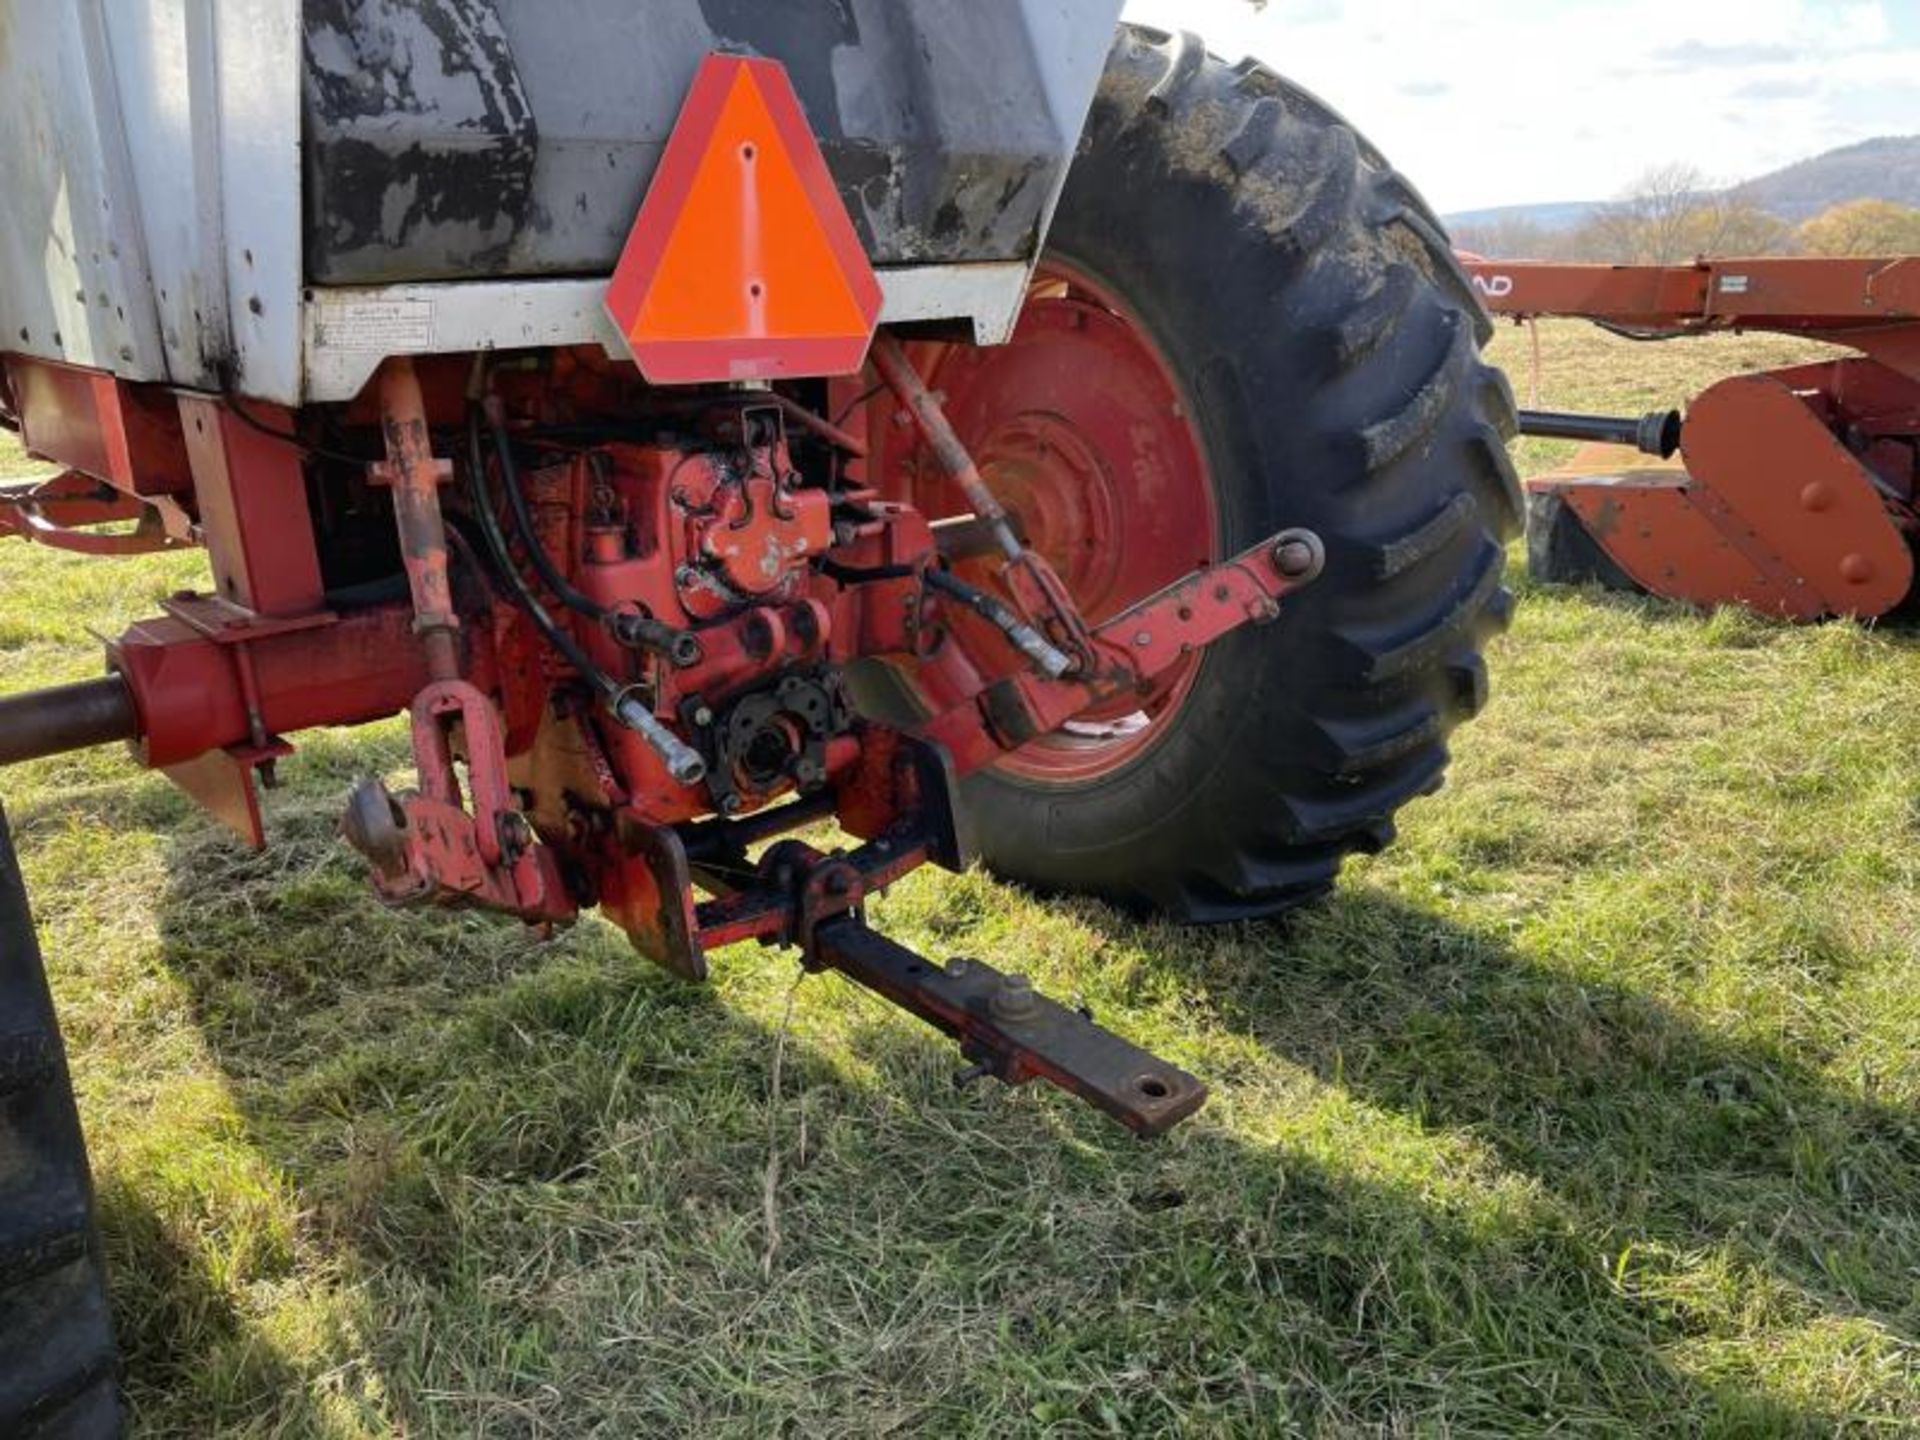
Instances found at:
x=743 y=263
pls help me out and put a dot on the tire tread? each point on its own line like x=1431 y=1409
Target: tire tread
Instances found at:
x=1416 y=497
x=59 y=1375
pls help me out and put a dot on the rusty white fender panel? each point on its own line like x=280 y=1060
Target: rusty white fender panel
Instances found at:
x=153 y=160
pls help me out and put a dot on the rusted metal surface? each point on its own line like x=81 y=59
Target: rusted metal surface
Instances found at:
x=1128 y=651
x=222 y=782
x=1773 y=512
x=1085 y=433
x=414 y=476
x=57 y=513
x=122 y=434
x=1871 y=304
x=439 y=846
x=443 y=845
x=709 y=573
x=251 y=492
x=623 y=641
x=648 y=892
x=931 y=421
x=1013 y=1033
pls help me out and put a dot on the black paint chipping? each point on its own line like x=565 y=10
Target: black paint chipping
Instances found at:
x=471 y=139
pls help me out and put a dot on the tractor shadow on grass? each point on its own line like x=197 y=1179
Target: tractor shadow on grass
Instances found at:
x=530 y=1179
x=188 y=1349
x=1660 y=1140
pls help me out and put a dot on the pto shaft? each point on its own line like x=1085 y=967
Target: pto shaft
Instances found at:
x=1655 y=433
x=66 y=717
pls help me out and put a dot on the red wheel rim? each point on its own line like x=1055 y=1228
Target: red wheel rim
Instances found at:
x=1083 y=431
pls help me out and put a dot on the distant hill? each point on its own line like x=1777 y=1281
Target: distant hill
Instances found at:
x=1884 y=169
x=1887 y=168
x=1550 y=215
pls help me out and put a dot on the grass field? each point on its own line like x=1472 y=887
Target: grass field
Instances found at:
x=1590 y=1106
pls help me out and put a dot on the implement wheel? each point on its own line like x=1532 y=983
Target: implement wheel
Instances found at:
x=1244 y=321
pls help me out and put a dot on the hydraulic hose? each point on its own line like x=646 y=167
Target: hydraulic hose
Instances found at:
x=684 y=763
x=542 y=562
x=679 y=646
x=1052 y=662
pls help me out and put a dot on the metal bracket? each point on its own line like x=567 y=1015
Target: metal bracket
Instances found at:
x=53 y=513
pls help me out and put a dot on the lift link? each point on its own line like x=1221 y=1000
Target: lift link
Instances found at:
x=429 y=844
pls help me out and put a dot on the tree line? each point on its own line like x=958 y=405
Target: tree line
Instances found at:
x=1673 y=215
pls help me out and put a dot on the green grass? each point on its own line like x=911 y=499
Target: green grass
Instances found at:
x=1589 y=1106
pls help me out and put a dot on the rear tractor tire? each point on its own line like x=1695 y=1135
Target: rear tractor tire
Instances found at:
x=1322 y=353
x=58 y=1370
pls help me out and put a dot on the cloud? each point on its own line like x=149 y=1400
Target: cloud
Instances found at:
x=1786 y=87
x=1572 y=99
x=1700 y=54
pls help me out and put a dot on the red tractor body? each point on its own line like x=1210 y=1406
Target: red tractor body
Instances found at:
x=623 y=641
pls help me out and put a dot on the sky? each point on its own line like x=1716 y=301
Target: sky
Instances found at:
x=1504 y=102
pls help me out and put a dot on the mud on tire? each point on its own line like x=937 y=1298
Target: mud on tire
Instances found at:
x=1330 y=351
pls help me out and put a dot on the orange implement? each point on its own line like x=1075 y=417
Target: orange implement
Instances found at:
x=1799 y=487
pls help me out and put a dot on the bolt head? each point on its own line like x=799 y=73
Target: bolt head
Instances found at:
x=1014 y=999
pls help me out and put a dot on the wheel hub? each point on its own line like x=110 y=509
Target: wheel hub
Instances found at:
x=1047 y=474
